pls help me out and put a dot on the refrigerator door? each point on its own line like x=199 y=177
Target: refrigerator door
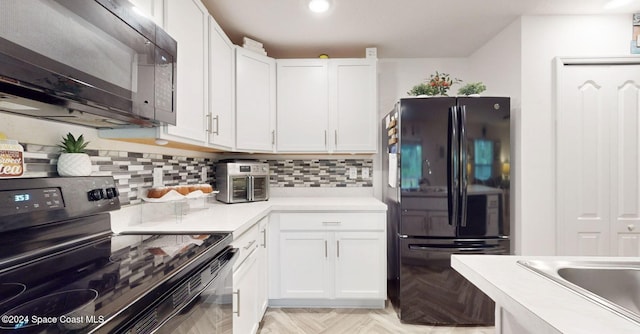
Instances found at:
x=431 y=292
x=484 y=167
x=429 y=165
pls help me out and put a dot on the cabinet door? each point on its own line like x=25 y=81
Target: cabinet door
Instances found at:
x=304 y=265
x=360 y=265
x=245 y=308
x=255 y=101
x=186 y=22
x=625 y=176
x=353 y=109
x=303 y=105
x=263 y=268
x=221 y=88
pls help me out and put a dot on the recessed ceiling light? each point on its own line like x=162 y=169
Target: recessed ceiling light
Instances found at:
x=616 y=3
x=319 y=6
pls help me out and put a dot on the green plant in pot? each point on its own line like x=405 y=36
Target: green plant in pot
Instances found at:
x=438 y=84
x=423 y=89
x=474 y=88
x=73 y=161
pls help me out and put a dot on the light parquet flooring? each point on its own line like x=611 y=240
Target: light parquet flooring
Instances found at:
x=349 y=321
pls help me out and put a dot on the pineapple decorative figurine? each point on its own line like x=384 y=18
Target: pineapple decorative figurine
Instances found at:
x=73 y=160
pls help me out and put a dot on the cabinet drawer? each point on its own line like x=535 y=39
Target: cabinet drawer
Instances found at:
x=246 y=243
x=347 y=221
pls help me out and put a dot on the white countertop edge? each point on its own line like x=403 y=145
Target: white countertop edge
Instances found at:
x=538 y=301
x=237 y=218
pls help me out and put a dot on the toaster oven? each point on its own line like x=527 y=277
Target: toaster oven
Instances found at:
x=242 y=181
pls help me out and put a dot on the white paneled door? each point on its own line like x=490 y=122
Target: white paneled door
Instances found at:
x=598 y=166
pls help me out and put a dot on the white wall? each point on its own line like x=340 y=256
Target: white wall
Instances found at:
x=498 y=65
x=35 y=131
x=543 y=38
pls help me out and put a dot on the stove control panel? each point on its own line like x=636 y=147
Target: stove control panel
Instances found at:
x=33 y=201
x=29 y=200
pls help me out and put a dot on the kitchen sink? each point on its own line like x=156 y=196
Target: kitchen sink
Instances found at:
x=613 y=285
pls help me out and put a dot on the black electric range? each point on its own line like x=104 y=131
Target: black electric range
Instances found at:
x=62 y=270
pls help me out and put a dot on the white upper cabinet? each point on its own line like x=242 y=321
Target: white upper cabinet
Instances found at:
x=186 y=22
x=327 y=105
x=303 y=105
x=255 y=101
x=352 y=96
x=221 y=116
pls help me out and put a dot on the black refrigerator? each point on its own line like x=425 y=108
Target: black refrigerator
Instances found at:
x=447 y=176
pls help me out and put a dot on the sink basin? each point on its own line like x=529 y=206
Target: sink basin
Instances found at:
x=613 y=285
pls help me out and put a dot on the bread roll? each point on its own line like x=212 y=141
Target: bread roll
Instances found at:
x=206 y=188
x=183 y=190
x=157 y=192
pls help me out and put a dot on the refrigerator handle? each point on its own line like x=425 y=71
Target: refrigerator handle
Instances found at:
x=470 y=249
x=250 y=188
x=463 y=166
x=452 y=193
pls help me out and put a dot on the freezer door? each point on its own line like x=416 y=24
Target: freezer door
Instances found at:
x=485 y=157
x=431 y=292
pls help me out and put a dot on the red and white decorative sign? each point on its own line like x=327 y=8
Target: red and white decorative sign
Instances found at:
x=11 y=159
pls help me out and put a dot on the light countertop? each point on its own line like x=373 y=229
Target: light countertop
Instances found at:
x=219 y=217
x=543 y=305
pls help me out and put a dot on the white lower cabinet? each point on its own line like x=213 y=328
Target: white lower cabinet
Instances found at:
x=304 y=264
x=263 y=268
x=360 y=260
x=329 y=259
x=245 y=289
x=249 y=280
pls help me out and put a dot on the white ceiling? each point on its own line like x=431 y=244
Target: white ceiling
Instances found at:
x=398 y=28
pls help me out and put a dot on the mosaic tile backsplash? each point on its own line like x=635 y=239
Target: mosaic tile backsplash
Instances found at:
x=133 y=171
x=319 y=173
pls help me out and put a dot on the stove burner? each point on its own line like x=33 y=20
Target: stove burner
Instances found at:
x=8 y=291
x=71 y=303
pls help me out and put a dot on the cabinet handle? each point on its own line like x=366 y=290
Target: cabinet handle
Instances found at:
x=216 y=132
x=336 y=138
x=325 y=138
x=631 y=227
x=331 y=223
x=237 y=293
x=264 y=238
x=338 y=247
x=273 y=137
x=325 y=249
x=209 y=123
x=250 y=244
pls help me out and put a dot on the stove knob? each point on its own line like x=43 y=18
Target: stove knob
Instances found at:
x=96 y=195
x=111 y=193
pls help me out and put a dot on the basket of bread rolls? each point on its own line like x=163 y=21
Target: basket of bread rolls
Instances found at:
x=174 y=193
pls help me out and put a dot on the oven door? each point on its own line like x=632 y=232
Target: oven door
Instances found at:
x=210 y=312
x=239 y=188
x=260 y=188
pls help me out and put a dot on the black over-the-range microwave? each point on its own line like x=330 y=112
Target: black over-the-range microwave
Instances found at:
x=96 y=63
